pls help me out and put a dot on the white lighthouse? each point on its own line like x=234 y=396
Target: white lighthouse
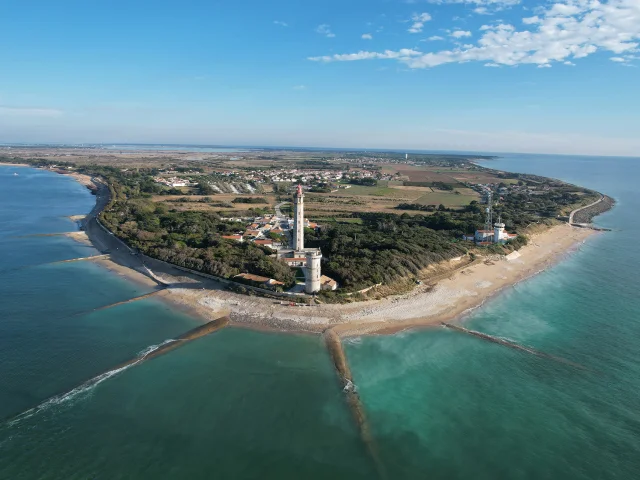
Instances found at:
x=298 y=220
x=498 y=232
x=312 y=283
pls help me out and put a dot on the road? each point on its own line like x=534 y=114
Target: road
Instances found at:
x=105 y=241
x=582 y=208
x=279 y=214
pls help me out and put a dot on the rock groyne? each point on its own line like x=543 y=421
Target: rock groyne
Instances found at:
x=334 y=345
x=587 y=214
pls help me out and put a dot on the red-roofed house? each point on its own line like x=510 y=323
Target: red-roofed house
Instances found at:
x=258 y=280
x=237 y=238
x=264 y=243
x=327 y=283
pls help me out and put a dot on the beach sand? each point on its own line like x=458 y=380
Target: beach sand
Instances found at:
x=7 y=164
x=452 y=296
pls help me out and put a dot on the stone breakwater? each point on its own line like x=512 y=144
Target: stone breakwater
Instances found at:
x=587 y=214
x=149 y=353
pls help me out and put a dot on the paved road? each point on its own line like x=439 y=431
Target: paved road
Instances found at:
x=279 y=214
x=582 y=208
x=105 y=241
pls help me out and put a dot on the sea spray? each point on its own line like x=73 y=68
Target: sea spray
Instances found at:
x=511 y=344
x=85 y=388
x=146 y=354
x=334 y=345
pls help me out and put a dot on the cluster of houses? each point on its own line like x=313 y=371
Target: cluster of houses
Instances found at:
x=174 y=181
x=305 y=176
x=495 y=189
x=268 y=231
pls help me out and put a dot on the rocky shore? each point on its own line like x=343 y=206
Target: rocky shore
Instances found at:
x=586 y=215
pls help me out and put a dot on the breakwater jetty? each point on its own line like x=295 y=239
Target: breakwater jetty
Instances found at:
x=131 y=300
x=147 y=354
x=334 y=345
x=510 y=344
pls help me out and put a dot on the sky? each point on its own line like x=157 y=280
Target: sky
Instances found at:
x=469 y=75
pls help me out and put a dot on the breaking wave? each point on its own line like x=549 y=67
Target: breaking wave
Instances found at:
x=88 y=386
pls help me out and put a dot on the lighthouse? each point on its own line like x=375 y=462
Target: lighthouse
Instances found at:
x=298 y=220
x=312 y=283
x=498 y=232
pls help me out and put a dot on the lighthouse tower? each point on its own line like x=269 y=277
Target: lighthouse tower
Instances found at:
x=312 y=283
x=498 y=231
x=298 y=220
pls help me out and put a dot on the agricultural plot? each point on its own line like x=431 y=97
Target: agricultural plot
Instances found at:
x=448 y=199
x=213 y=203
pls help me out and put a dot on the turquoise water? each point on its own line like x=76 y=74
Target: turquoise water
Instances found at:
x=236 y=404
x=445 y=405
x=243 y=404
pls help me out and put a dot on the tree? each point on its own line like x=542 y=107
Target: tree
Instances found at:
x=205 y=189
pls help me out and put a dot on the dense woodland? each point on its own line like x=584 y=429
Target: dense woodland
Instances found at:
x=382 y=249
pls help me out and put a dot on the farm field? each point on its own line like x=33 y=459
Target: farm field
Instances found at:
x=215 y=203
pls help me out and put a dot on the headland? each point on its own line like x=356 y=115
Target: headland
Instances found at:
x=444 y=290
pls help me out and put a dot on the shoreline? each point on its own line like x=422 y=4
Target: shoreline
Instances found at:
x=451 y=298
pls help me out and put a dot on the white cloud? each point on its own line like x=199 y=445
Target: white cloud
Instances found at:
x=362 y=55
x=300 y=87
x=419 y=19
x=492 y=65
x=367 y=36
x=282 y=24
x=531 y=20
x=325 y=30
x=565 y=31
x=6 y=111
x=435 y=37
x=494 y=3
x=482 y=11
x=460 y=34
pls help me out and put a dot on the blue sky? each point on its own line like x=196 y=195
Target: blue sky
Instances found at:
x=486 y=75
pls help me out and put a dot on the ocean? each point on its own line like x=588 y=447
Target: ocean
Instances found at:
x=247 y=404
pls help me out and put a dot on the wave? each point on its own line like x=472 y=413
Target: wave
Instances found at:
x=89 y=385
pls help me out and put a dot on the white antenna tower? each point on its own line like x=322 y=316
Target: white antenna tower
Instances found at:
x=488 y=223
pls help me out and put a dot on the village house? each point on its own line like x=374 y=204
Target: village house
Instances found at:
x=259 y=281
x=237 y=238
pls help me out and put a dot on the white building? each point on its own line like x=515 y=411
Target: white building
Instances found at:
x=497 y=235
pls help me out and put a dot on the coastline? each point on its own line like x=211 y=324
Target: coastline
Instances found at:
x=450 y=298
x=7 y=164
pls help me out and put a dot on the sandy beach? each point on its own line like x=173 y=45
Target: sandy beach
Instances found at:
x=460 y=292
x=7 y=164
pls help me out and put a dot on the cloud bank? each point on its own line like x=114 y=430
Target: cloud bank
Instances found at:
x=565 y=31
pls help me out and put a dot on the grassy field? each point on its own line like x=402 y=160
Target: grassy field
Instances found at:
x=338 y=220
x=448 y=199
x=368 y=191
x=195 y=202
x=337 y=206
